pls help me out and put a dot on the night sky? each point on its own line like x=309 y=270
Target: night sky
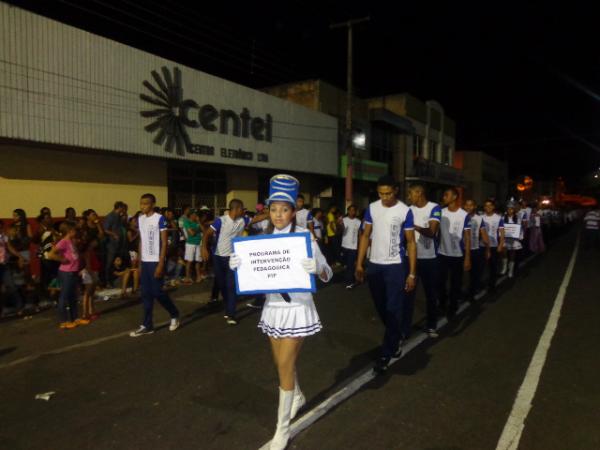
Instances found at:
x=521 y=81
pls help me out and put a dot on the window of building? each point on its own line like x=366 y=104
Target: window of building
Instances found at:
x=432 y=149
x=417 y=146
x=382 y=144
x=446 y=155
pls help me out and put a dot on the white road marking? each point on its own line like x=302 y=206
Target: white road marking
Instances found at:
x=367 y=375
x=511 y=435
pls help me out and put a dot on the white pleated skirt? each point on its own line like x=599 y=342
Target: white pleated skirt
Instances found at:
x=298 y=318
x=513 y=244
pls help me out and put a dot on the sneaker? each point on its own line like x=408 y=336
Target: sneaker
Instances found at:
x=254 y=305
x=82 y=322
x=141 y=331
x=225 y=317
x=174 y=324
x=432 y=333
x=350 y=286
x=231 y=321
x=67 y=325
x=381 y=365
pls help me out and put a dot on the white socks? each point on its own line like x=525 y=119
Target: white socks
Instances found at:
x=282 y=434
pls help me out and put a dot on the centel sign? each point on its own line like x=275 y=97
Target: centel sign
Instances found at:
x=172 y=115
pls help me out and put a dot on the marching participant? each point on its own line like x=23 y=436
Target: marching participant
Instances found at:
x=513 y=245
x=494 y=226
x=304 y=217
x=351 y=229
x=289 y=317
x=480 y=248
x=388 y=222
x=427 y=216
x=455 y=250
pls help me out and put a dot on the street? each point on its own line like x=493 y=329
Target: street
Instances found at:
x=209 y=386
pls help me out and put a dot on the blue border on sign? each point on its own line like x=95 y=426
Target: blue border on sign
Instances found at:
x=313 y=284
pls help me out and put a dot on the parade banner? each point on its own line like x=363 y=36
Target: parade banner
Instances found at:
x=512 y=230
x=271 y=263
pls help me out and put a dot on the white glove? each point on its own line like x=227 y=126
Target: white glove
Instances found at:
x=234 y=261
x=310 y=265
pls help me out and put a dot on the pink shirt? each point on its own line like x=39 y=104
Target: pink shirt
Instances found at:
x=68 y=251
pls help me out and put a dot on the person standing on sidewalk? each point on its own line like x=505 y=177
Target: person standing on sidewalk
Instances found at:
x=288 y=318
x=351 y=228
x=153 y=256
x=112 y=230
x=480 y=249
x=455 y=250
x=494 y=226
x=427 y=216
x=388 y=223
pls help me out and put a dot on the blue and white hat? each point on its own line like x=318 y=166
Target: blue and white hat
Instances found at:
x=283 y=188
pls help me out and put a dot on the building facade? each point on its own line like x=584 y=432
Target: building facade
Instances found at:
x=86 y=121
x=485 y=176
x=394 y=134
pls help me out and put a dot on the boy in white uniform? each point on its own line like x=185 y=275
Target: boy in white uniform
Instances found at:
x=455 y=250
x=427 y=216
x=388 y=223
x=494 y=227
x=351 y=227
x=479 y=249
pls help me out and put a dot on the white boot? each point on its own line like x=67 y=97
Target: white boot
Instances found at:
x=503 y=270
x=282 y=434
x=299 y=399
x=511 y=269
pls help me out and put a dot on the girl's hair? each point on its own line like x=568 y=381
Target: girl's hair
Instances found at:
x=87 y=213
x=65 y=227
x=22 y=220
x=271 y=227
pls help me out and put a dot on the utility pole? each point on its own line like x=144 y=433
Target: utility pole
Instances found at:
x=348 y=134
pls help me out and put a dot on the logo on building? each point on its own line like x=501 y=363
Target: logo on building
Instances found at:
x=172 y=116
x=166 y=98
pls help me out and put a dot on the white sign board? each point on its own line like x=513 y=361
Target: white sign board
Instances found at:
x=512 y=230
x=272 y=263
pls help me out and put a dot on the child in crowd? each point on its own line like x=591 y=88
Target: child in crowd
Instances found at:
x=6 y=249
x=90 y=277
x=65 y=251
x=193 y=231
x=122 y=272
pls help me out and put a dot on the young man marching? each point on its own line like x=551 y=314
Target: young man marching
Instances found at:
x=388 y=222
x=153 y=254
x=480 y=248
x=494 y=226
x=351 y=228
x=427 y=216
x=455 y=250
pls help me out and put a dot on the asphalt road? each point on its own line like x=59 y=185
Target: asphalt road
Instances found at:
x=209 y=386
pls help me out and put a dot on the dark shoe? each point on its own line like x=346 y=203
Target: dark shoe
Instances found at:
x=381 y=365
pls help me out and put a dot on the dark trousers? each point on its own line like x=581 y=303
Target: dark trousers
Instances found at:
x=350 y=262
x=48 y=271
x=493 y=268
x=427 y=273
x=226 y=281
x=477 y=266
x=112 y=250
x=450 y=266
x=386 y=283
x=67 y=301
x=152 y=288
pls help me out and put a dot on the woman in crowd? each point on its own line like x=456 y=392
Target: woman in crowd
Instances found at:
x=47 y=236
x=21 y=237
x=289 y=317
x=65 y=252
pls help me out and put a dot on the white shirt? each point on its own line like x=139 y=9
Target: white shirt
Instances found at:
x=303 y=217
x=350 y=236
x=475 y=224
x=261 y=227
x=426 y=248
x=389 y=225
x=318 y=227
x=452 y=228
x=592 y=220
x=226 y=229
x=150 y=228
x=493 y=224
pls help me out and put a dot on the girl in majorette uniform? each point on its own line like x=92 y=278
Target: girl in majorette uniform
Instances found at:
x=512 y=245
x=288 y=318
